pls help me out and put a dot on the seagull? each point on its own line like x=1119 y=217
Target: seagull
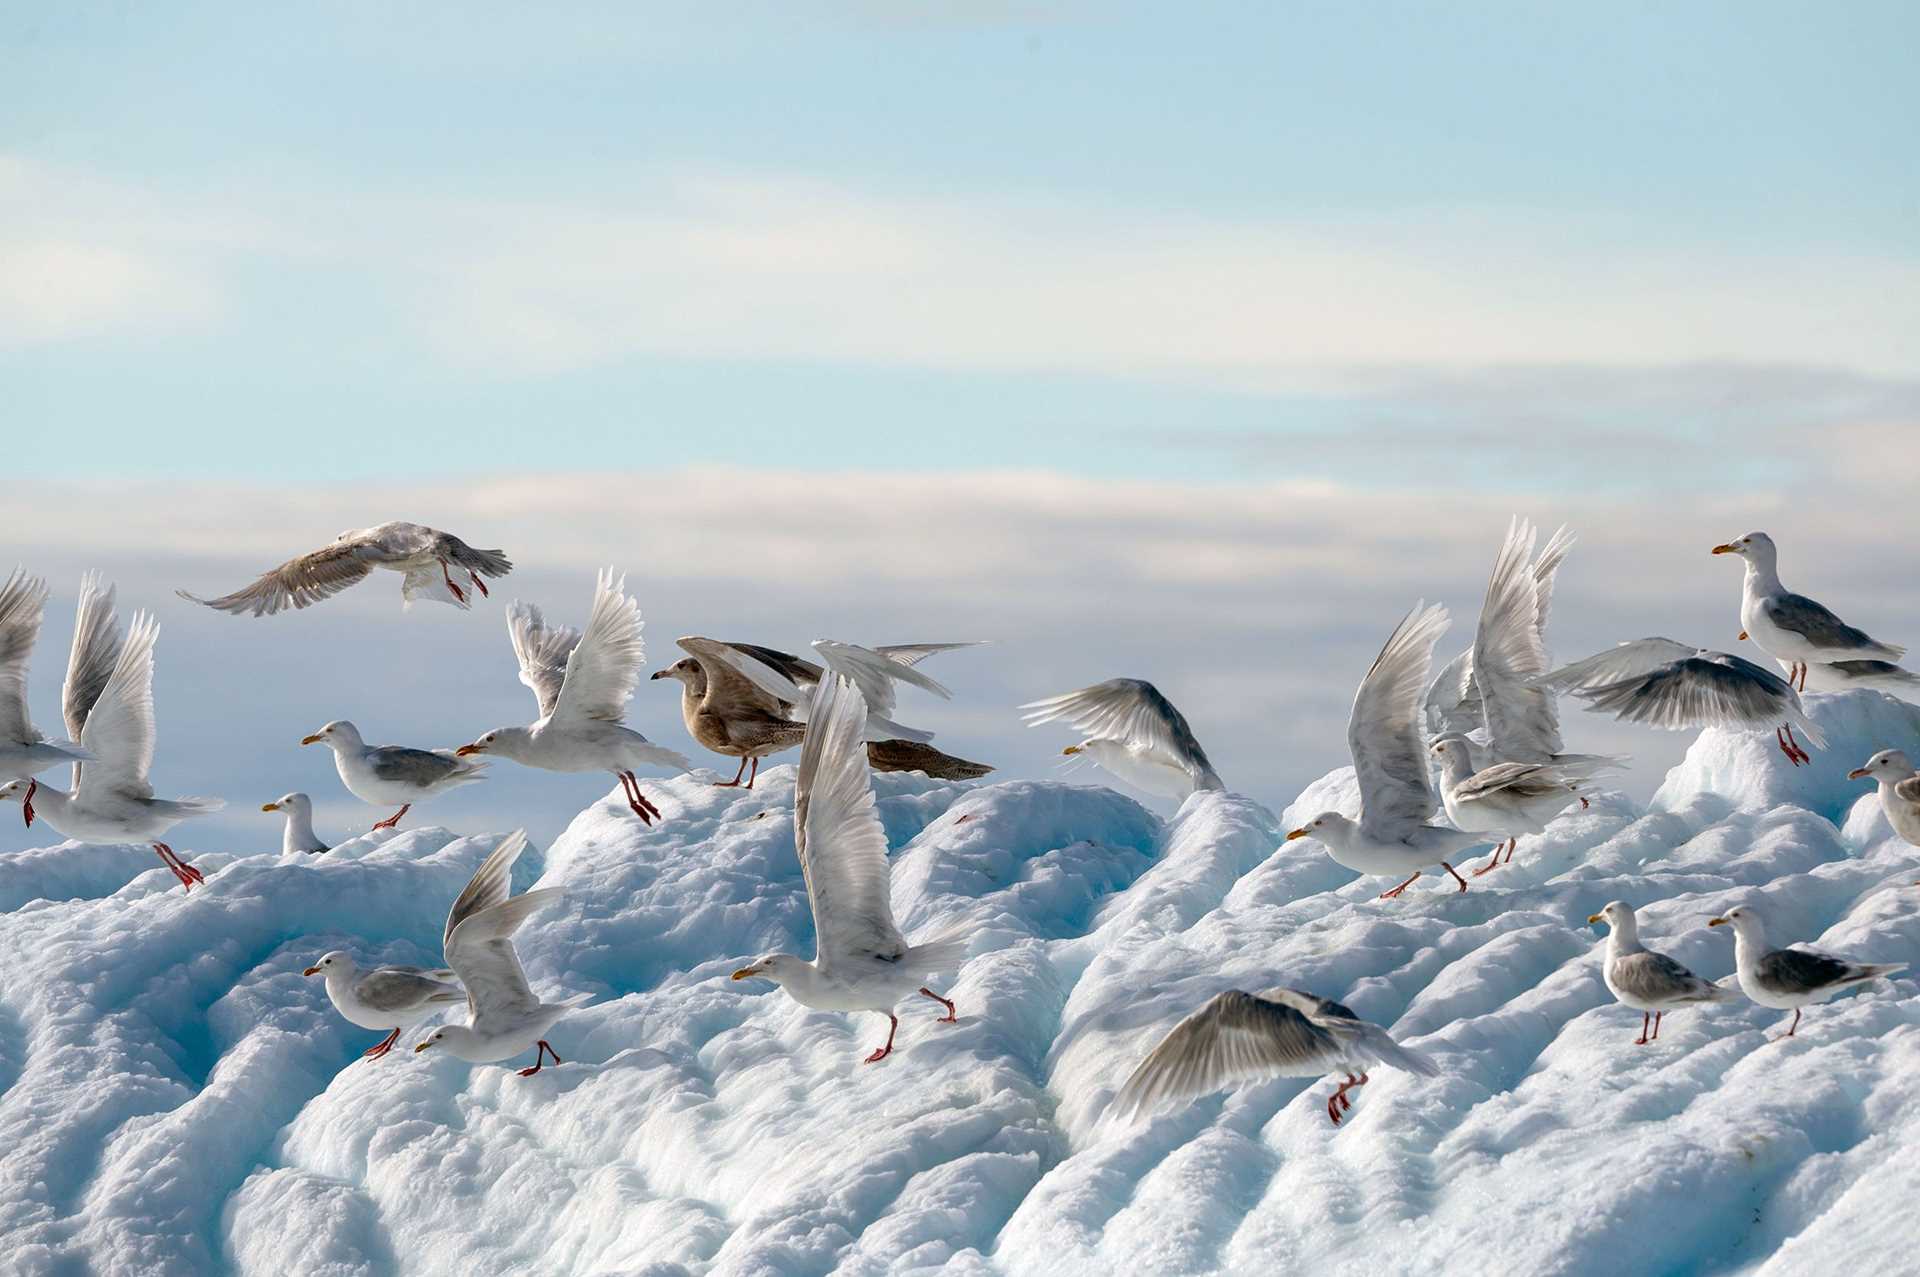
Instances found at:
x=1135 y=733
x=1675 y=687
x=1507 y=798
x=113 y=801
x=1392 y=835
x=1790 y=978
x=299 y=835
x=582 y=683
x=874 y=670
x=504 y=1017
x=1844 y=676
x=913 y=756
x=1899 y=790
x=412 y=549
x=1792 y=627
x=1517 y=719
x=1238 y=1037
x=1651 y=983
x=861 y=961
x=24 y=750
x=391 y=998
x=382 y=775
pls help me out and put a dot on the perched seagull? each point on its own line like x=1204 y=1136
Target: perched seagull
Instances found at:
x=1899 y=791
x=504 y=1017
x=913 y=756
x=412 y=549
x=1651 y=983
x=382 y=775
x=1397 y=799
x=391 y=998
x=1135 y=733
x=1520 y=721
x=582 y=682
x=1509 y=799
x=1791 y=627
x=1239 y=1037
x=299 y=835
x=861 y=961
x=113 y=801
x=1844 y=676
x=1675 y=687
x=1790 y=979
x=24 y=750
x=726 y=711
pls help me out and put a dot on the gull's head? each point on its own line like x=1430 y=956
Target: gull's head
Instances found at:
x=1328 y=826
x=686 y=669
x=330 y=963
x=1617 y=914
x=499 y=740
x=1450 y=747
x=296 y=803
x=20 y=791
x=434 y=1038
x=775 y=967
x=1754 y=545
x=1741 y=918
x=1888 y=764
x=339 y=730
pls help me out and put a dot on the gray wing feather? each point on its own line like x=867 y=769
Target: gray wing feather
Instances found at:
x=1130 y=709
x=1234 y=1037
x=480 y=951
x=1383 y=731
x=491 y=883
x=398 y=988
x=422 y=767
x=1713 y=689
x=541 y=651
x=837 y=835
x=95 y=651
x=1803 y=970
x=485 y=562
x=297 y=583
x=1520 y=778
x=1508 y=656
x=23 y=602
x=1627 y=660
x=1654 y=977
x=1817 y=624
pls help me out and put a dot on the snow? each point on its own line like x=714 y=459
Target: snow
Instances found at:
x=176 y=1098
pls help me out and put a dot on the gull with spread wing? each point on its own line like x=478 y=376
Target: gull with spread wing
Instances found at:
x=1135 y=733
x=1790 y=627
x=1677 y=688
x=24 y=749
x=112 y=800
x=504 y=1015
x=581 y=682
x=861 y=961
x=423 y=556
x=1397 y=798
x=1455 y=701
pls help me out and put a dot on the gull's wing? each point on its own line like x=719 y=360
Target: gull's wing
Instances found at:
x=542 y=652
x=401 y=988
x=914 y=653
x=1654 y=977
x=728 y=684
x=1908 y=789
x=23 y=602
x=1628 y=660
x=1705 y=689
x=837 y=835
x=1522 y=721
x=1235 y=1037
x=1453 y=705
x=491 y=883
x=1383 y=731
x=95 y=651
x=803 y=674
x=1802 y=970
x=1521 y=778
x=1132 y=710
x=421 y=767
x=605 y=664
x=1820 y=627
x=1359 y=1040
x=481 y=953
x=119 y=728
x=297 y=583
x=875 y=673
x=1544 y=569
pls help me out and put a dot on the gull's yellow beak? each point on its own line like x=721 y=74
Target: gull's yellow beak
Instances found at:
x=1716 y=922
x=465 y=750
x=1298 y=833
x=1724 y=549
x=1858 y=773
x=308 y=740
x=421 y=1047
x=311 y=971
x=1593 y=918
x=746 y=973
x=269 y=806
x=1071 y=749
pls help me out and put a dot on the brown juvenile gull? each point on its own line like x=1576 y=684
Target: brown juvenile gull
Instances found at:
x=1135 y=733
x=424 y=556
x=382 y=775
x=581 y=683
x=1675 y=687
x=1790 y=979
x=1397 y=798
x=1243 y=1037
x=1651 y=983
x=861 y=961
x=114 y=801
x=24 y=749
x=299 y=835
x=391 y=998
x=913 y=756
x=1792 y=627
x=1899 y=790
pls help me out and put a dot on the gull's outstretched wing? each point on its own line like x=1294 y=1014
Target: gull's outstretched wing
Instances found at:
x=479 y=935
x=605 y=664
x=1632 y=659
x=119 y=727
x=1522 y=721
x=1703 y=689
x=541 y=651
x=837 y=835
x=23 y=602
x=1383 y=731
x=729 y=687
x=297 y=583
x=1131 y=710
x=1235 y=1037
x=95 y=651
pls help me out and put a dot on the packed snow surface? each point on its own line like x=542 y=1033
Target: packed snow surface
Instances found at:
x=176 y=1098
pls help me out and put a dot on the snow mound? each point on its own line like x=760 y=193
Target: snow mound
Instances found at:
x=176 y=1098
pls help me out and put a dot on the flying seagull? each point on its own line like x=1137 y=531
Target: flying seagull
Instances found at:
x=24 y=749
x=1135 y=733
x=414 y=550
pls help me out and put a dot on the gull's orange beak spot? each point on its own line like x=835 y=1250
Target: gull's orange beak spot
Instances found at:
x=465 y=750
x=1592 y=918
x=1298 y=833
x=1858 y=773
x=311 y=971
x=423 y=1046
x=1716 y=922
x=745 y=973
x=309 y=740
x=1724 y=549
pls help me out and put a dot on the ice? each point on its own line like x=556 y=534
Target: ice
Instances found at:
x=176 y=1098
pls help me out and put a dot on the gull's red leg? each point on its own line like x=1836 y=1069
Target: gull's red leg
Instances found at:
x=735 y=782
x=893 y=1022
x=755 y=773
x=458 y=593
x=1338 y=1103
x=541 y=1052
x=393 y=821
x=383 y=1046
x=1395 y=892
x=479 y=585
x=1656 y=1024
x=1513 y=845
x=1456 y=874
x=951 y=1016
x=26 y=805
x=185 y=872
x=1798 y=754
x=1645 y=1020
x=1491 y=865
